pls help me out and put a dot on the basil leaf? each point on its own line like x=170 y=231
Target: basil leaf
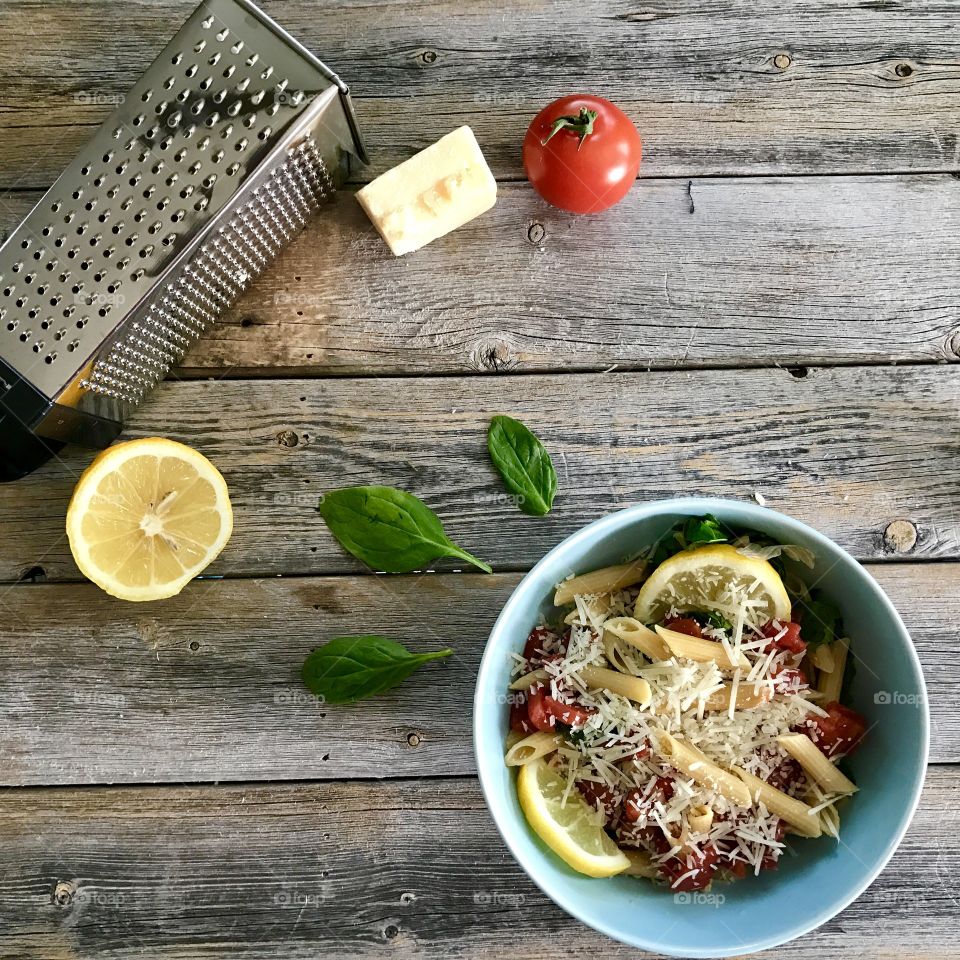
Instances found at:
x=575 y=736
x=819 y=620
x=389 y=529
x=353 y=668
x=716 y=619
x=705 y=529
x=523 y=463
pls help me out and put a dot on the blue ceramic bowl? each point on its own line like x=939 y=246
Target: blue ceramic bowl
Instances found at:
x=824 y=877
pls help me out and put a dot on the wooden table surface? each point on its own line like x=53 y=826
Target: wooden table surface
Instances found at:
x=774 y=309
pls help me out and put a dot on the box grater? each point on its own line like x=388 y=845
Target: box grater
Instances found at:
x=212 y=162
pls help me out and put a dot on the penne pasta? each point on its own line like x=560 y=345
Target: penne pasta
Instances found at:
x=529 y=679
x=605 y=580
x=815 y=764
x=830 y=818
x=632 y=631
x=633 y=688
x=701 y=650
x=532 y=747
x=514 y=736
x=822 y=657
x=687 y=759
x=829 y=684
x=590 y=610
x=801 y=817
x=612 y=653
x=746 y=697
x=700 y=818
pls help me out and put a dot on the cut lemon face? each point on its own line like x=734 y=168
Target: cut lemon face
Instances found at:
x=715 y=577
x=146 y=517
x=573 y=830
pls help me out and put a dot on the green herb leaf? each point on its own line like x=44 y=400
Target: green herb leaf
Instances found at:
x=575 y=736
x=819 y=620
x=389 y=529
x=353 y=668
x=718 y=620
x=523 y=463
x=705 y=529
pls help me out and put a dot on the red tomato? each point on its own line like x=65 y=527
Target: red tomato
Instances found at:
x=538 y=639
x=567 y=713
x=519 y=718
x=639 y=803
x=601 y=796
x=785 y=774
x=791 y=637
x=537 y=713
x=704 y=861
x=788 y=679
x=581 y=154
x=686 y=625
x=839 y=732
x=772 y=857
x=642 y=837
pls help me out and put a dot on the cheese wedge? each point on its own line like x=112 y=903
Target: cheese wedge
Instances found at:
x=435 y=191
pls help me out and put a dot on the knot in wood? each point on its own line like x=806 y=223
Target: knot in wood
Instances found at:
x=493 y=355
x=63 y=893
x=953 y=346
x=536 y=233
x=900 y=536
x=413 y=739
x=782 y=60
x=428 y=56
x=287 y=438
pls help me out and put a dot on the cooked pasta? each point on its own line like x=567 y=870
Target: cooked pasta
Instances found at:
x=695 y=740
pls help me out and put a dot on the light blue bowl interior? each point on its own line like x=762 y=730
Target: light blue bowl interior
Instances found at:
x=824 y=876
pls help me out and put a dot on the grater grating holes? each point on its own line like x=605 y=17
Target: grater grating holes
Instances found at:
x=221 y=271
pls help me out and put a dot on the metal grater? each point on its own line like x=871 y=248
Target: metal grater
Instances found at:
x=213 y=162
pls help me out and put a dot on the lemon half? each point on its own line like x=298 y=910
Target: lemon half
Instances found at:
x=146 y=517
x=705 y=578
x=573 y=830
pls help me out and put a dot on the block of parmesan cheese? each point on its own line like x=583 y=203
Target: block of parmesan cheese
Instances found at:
x=435 y=191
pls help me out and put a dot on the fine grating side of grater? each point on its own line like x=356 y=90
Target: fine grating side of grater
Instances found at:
x=213 y=161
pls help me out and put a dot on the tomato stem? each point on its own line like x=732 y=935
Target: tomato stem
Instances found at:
x=582 y=125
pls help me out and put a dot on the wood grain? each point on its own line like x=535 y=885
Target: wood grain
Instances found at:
x=206 y=686
x=716 y=88
x=849 y=450
x=709 y=272
x=413 y=868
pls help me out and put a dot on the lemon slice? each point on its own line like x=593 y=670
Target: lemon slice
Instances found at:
x=573 y=830
x=146 y=517
x=716 y=577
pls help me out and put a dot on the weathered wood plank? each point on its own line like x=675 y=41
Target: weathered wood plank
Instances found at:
x=848 y=450
x=713 y=272
x=716 y=87
x=330 y=870
x=206 y=686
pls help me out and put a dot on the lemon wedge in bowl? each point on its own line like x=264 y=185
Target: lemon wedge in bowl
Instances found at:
x=715 y=577
x=573 y=829
x=146 y=517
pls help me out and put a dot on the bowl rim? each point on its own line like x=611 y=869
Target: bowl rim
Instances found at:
x=595 y=531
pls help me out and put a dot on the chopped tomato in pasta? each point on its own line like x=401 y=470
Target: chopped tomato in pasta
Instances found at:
x=686 y=625
x=840 y=732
